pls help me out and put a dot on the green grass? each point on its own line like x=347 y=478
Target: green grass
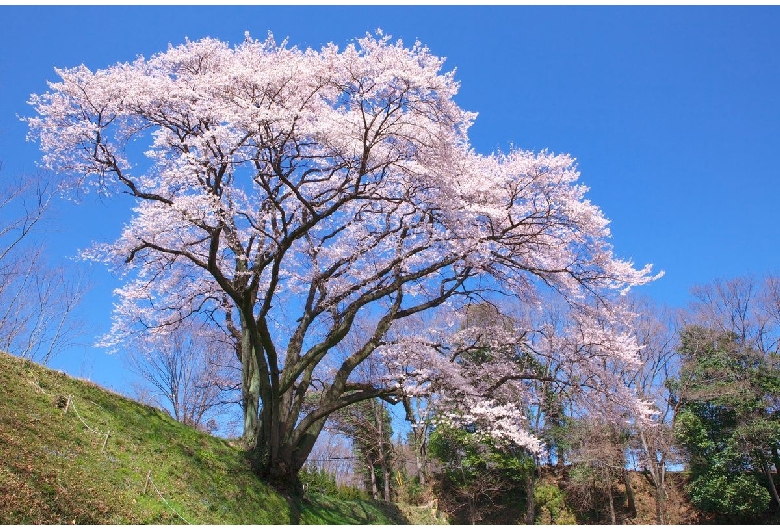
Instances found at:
x=54 y=470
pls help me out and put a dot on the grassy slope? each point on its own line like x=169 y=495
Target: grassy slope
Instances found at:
x=53 y=468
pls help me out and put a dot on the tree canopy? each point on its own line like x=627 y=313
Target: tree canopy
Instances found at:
x=295 y=196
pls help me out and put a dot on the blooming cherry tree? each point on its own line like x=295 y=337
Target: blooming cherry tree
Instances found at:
x=296 y=193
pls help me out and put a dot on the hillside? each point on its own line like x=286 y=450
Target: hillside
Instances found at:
x=100 y=458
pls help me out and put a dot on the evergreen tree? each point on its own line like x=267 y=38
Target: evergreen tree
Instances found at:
x=728 y=421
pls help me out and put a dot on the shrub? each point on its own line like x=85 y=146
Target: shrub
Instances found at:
x=551 y=505
x=738 y=495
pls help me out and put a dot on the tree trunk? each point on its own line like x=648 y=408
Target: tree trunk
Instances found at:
x=472 y=511
x=279 y=459
x=772 y=487
x=420 y=452
x=275 y=457
x=278 y=438
x=611 y=504
x=660 y=495
x=383 y=456
x=776 y=462
x=657 y=472
x=250 y=391
x=530 y=512
x=420 y=432
x=629 y=493
x=611 y=500
x=386 y=477
x=374 y=489
x=420 y=465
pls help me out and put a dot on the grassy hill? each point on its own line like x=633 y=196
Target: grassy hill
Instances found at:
x=72 y=452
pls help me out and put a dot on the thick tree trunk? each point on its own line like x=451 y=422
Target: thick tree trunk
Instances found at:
x=280 y=440
x=265 y=434
x=280 y=460
x=250 y=391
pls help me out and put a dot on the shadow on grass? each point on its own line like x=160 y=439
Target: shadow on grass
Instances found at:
x=327 y=510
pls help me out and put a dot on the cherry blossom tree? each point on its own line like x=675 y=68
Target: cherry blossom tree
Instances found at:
x=300 y=192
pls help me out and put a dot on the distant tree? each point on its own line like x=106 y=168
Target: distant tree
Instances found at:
x=734 y=306
x=191 y=371
x=334 y=456
x=540 y=385
x=368 y=426
x=737 y=322
x=419 y=415
x=598 y=461
x=310 y=190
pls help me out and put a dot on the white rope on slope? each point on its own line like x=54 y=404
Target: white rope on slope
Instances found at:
x=73 y=404
x=163 y=499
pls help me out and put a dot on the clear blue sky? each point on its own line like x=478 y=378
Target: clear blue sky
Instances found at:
x=672 y=112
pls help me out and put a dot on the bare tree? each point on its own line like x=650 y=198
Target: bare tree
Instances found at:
x=598 y=458
x=38 y=301
x=420 y=418
x=333 y=455
x=368 y=426
x=190 y=371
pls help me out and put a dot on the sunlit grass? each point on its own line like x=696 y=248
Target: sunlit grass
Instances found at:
x=54 y=468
